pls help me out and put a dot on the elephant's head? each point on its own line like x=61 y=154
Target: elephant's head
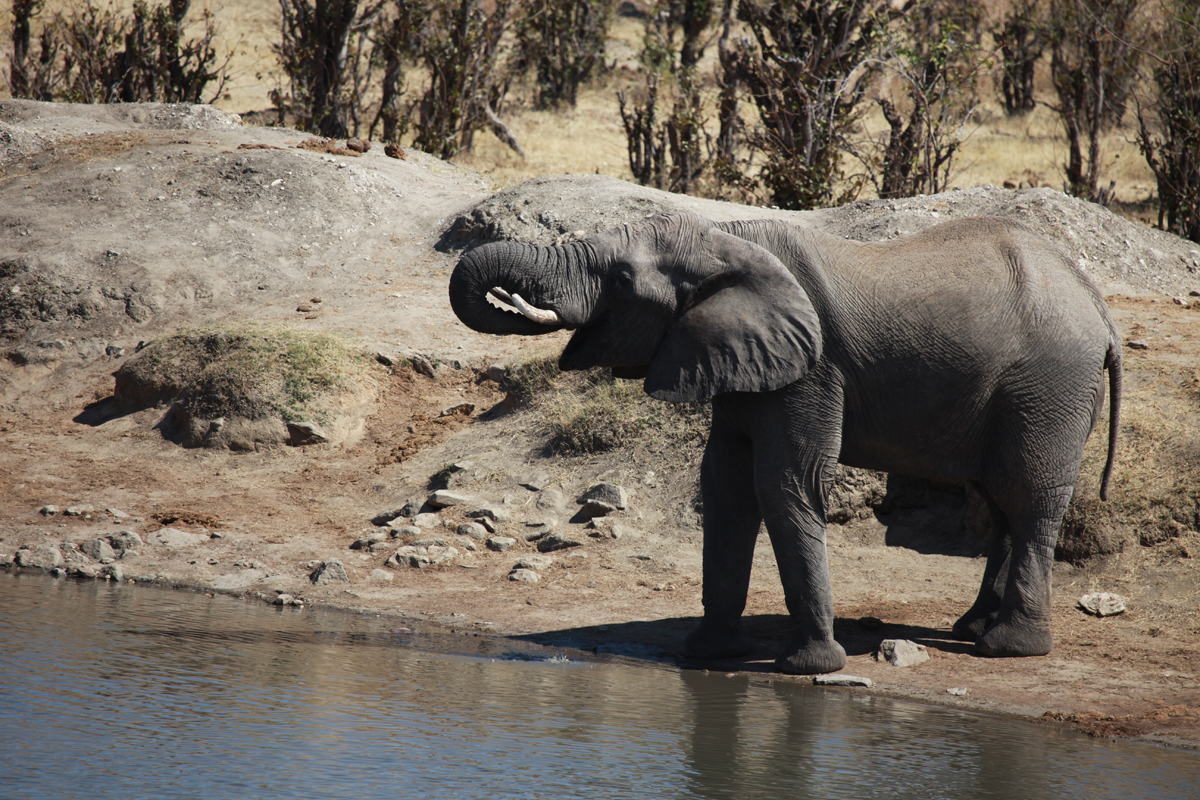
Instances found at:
x=693 y=309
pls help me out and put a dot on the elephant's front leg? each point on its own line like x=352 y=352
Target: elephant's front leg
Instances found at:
x=731 y=523
x=797 y=439
x=793 y=496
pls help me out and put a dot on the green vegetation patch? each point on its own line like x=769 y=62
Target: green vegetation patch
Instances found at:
x=244 y=370
x=593 y=412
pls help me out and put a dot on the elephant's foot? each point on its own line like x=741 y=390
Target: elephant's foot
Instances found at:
x=971 y=625
x=812 y=658
x=714 y=640
x=1015 y=638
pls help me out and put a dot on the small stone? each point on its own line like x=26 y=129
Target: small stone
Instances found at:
x=902 y=652
x=842 y=680
x=556 y=541
x=114 y=351
x=1137 y=344
x=331 y=571
x=500 y=543
x=125 y=541
x=406 y=530
x=283 y=600
x=422 y=365
x=77 y=511
x=464 y=409
x=422 y=555
x=473 y=530
x=958 y=691
x=48 y=511
x=444 y=498
x=538 y=563
x=45 y=557
x=379 y=546
x=1179 y=301
x=117 y=513
x=550 y=500
x=524 y=576
x=1103 y=604
x=608 y=493
x=301 y=434
x=535 y=482
x=114 y=572
x=382 y=576
x=98 y=550
x=489 y=524
x=365 y=542
x=597 y=508
x=533 y=534
x=493 y=512
x=496 y=372
x=175 y=538
x=427 y=520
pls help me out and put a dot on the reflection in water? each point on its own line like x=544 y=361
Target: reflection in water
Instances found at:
x=130 y=692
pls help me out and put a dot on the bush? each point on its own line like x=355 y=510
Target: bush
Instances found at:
x=562 y=42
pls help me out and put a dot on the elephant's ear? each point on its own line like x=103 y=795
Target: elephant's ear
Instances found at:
x=749 y=328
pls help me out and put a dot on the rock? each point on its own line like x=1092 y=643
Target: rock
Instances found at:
x=473 y=530
x=114 y=351
x=1137 y=344
x=1179 y=301
x=45 y=557
x=842 y=680
x=444 y=498
x=468 y=545
x=902 y=652
x=427 y=520
x=431 y=542
x=358 y=145
x=365 y=542
x=1103 y=604
x=48 y=511
x=393 y=150
x=495 y=513
x=282 y=599
x=407 y=530
x=598 y=508
x=535 y=482
x=489 y=524
x=500 y=543
x=331 y=571
x=175 y=539
x=381 y=576
x=422 y=365
x=496 y=372
x=958 y=691
x=301 y=434
x=386 y=544
x=537 y=563
x=556 y=541
x=78 y=511
x=533 y=534
x=117 y=513
x=524 y=576
x=550 y=500
x=98 y=550
x=608 y=493
x=420 y=556
x=113 y=572
x=464 y=408
x=125 y=541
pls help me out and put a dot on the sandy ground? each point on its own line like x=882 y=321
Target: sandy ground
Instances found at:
x=130 y=223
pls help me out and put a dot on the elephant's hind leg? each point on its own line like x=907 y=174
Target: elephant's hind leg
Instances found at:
x=971 y=625
x=1022 y=626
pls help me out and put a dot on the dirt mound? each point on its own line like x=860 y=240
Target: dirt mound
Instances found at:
x=1112 y=250
x=246 y=387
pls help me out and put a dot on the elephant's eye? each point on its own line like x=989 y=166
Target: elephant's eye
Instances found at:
x=624 y=278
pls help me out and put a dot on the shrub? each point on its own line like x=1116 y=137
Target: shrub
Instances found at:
x=562 y=42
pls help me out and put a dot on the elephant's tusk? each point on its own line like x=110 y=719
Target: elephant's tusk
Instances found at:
x=539 y=315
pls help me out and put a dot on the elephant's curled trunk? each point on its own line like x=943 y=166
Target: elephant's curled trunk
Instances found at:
x=539 y=285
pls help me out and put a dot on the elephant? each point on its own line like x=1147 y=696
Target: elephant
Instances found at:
x=972 y=352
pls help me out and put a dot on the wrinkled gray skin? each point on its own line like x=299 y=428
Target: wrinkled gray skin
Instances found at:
x=974 y=351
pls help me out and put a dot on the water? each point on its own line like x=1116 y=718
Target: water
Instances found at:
x=132 y=692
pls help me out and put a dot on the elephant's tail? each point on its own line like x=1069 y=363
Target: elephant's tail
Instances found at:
x=1112 y=363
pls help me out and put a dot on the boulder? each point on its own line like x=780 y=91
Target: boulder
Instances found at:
x=331 y=571
x=902 y=652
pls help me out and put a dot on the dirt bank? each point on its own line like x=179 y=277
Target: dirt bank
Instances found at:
x=123 y=225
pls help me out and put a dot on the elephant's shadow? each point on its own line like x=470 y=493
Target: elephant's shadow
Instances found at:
x=662 y=640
